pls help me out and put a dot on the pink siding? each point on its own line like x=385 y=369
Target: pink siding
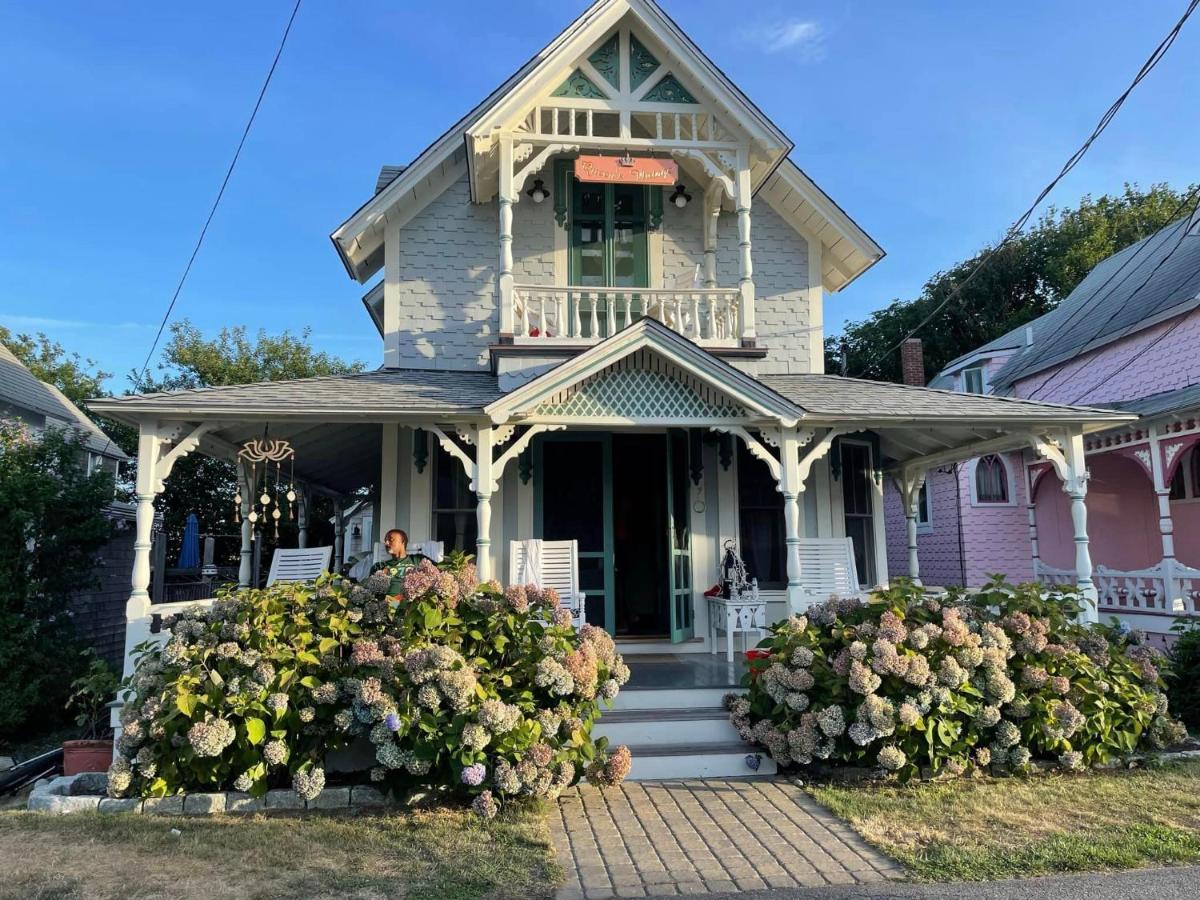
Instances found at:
x=938 y=549
x=1170 y=364
x=997 y=537
x=1186 y=516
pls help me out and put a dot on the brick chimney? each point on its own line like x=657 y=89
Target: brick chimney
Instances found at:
x=912 y=362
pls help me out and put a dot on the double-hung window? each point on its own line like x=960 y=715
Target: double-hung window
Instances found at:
x=973 y=381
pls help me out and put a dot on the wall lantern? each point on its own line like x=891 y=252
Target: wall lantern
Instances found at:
x=681 y=198
x=538 y=193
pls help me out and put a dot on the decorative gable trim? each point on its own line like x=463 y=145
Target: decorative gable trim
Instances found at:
x=579 y=85
x=719 y=388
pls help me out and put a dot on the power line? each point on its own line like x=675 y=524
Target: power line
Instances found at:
x=1106 y=119
x=221 y=193
x=1185 y=227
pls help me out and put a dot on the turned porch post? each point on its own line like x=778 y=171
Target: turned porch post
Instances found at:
x=742 y=196
x=712 y=213
x=247 y=555
x=483 y=494
x=302 y=519
x=1166 y=525
x=791 y=485
x=909 y=482
x=137 y=609
x=505 y=201
x=1076 y=488
x=1031 y=509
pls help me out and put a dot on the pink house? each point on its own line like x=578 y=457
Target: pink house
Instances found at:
x=1127 y=338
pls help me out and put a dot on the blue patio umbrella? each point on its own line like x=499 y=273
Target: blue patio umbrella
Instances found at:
x=189 y=550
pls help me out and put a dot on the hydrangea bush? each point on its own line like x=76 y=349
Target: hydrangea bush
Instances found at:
x=971 y=681
x=488 y=691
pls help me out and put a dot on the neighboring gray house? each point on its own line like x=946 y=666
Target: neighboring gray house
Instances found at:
x=100 y=611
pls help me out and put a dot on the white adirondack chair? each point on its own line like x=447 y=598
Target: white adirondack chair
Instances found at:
x=558 y=568
x=299 y=564
x=435 y=550
x=827 y=567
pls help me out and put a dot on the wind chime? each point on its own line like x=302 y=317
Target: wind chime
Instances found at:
x=270 y=496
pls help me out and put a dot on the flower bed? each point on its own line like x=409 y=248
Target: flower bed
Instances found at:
x=994 y=679
x=491 y=692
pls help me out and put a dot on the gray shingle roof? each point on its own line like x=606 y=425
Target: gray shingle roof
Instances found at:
x=1147 y=282
x=384 y=391
x=387 y=175
x=1161 y=404
x=835 y=397
x=21 y=389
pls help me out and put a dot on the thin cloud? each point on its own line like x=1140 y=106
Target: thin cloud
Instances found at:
x=13 y=321
x=804 y=38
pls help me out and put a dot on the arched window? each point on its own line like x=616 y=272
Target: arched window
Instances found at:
x=991 y=480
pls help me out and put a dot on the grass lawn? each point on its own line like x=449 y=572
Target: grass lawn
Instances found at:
x=426 y=854
x=980 y=829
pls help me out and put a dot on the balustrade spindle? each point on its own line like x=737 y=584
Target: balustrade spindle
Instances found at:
x=524 y=301
x=537 y=120
x=610 y=319
x=695 y=135
x=677 y=312
x=576 y=324
x=542 y=315
x=712 y=317
x=560 y=315
x=677 y=134
x=628 y=309
x=589 y=123
x=696 y=316
x=595 y=325
x=554 y=120
x=571 y=129
x=658 y=125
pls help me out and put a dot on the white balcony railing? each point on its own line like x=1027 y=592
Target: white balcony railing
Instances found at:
x=708 y=316
x=1169 y=588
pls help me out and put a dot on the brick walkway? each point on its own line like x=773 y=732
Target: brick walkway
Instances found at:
x=695 y=837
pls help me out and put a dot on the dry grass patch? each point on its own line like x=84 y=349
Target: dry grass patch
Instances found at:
x=988 y=828
x=439 y=853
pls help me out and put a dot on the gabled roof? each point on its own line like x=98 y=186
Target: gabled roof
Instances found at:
x=359 y=239
x=648 y=334
x=21 y=389
x=1156 y=279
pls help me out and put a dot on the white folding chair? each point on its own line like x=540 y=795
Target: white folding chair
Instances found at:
x=553 y=564
x=299 y=564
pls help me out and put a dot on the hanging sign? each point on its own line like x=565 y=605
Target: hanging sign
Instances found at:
x=626 y=170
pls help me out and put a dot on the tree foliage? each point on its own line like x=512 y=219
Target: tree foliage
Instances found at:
x=78 y=378
x=51 y=525
x=1025 y=279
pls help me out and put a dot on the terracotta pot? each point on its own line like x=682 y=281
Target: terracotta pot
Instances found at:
x=87 y=756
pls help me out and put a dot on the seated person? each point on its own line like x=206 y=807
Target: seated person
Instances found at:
x=396 y=544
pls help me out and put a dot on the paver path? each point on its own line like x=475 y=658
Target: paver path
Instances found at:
x=694 y=837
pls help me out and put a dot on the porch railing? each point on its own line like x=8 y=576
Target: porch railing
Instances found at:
x=708 y=316
x=1166 y=589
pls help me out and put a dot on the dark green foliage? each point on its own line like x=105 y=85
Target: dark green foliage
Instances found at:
x=1183 y=676
x=51 y=525
x=1026 y=279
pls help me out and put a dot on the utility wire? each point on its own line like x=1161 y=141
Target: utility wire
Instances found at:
x=221 y=193
x=1074 y=160
x=1185 y=227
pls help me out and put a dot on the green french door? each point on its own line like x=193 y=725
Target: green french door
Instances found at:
x=679 y=538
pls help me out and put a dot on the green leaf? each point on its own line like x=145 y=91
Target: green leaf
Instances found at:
x=186 y=703
x=306 y=656
x=327 y=645
x=256 y=730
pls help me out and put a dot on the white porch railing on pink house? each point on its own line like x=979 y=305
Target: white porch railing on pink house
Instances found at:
x=1167 y=589
x=708 y=316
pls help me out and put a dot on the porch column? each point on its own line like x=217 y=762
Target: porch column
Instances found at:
x=483 y=509
x=505 y=202
x=1166 y=525
x=302 y=519
x=137 y=609
x=339 y=534
x=791 y=485
x=246 y=563
x=909 y=482
x=1031 y=509
x=1076 y=488
x=742 y=196
x=712 y=213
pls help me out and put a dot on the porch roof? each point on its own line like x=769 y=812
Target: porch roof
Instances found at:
x=1163 y=403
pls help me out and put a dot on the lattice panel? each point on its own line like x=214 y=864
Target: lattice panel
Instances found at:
x=641 y=387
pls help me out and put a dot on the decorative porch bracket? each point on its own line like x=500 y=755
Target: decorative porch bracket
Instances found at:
x=1064 y=450
x=790 y=471
x=536 y=165
x=711 y=168
x=484 y=472
x=909 y=482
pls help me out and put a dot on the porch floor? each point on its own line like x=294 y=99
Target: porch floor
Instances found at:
x=683 y=671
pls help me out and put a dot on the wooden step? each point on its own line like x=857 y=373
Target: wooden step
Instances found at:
x=648 y=727
x=670 y=762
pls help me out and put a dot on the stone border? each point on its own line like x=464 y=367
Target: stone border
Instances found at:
x=84 y=793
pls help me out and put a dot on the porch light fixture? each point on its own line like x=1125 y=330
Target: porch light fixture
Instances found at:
x=538 y=193
x=681 y=197
x=265 y=452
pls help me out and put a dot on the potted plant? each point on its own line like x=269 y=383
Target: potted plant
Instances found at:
x=90 y=697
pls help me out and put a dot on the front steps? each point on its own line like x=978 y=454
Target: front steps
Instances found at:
x=679 y=734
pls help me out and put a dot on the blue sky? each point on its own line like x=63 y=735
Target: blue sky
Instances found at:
x=933 y=124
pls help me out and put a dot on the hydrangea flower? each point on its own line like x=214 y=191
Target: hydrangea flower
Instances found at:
x=473 y=775
x=309 y=784
x=831 y=720
x=378 y=583
x=277 y=703
x=862 y=679
x=891 y=757
x=485 y=806
x=275 y=752
x=243 y=783
x=498 y=717
x=210 y=738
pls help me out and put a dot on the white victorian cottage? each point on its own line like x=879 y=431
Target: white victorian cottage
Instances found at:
x=601 y=311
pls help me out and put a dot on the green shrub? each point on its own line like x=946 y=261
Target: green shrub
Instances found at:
x=51 y=525
x=1183 y=675
x=488 y=692
x=994 y=678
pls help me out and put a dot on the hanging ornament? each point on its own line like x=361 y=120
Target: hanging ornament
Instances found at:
x=266 y=451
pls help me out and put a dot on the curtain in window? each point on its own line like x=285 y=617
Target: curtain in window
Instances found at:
x=991 y=480
x=760 y=522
